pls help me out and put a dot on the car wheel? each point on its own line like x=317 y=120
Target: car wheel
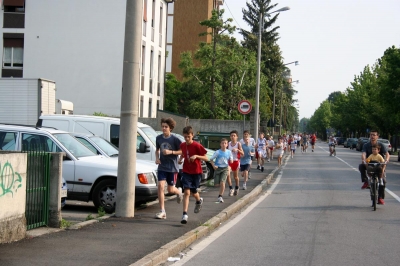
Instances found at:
x=105 y=195
x=210 y=172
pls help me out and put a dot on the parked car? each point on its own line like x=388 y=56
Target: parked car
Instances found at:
x=64 y=192
x=350 y=143
x=89 y=176
x=360 y=143
x=97 y=144
x=340 y=140
x=386 y=143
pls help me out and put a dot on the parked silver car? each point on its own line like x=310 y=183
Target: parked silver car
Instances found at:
x=386 y=143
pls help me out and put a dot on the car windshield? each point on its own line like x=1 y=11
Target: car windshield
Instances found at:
x=151 y=133
x=73 y=145
x=106 y=146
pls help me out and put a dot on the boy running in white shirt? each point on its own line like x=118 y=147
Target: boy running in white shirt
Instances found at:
x=261 y=147
x=245 y=160
x=236 y=148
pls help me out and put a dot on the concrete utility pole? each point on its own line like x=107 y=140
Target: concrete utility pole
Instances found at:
x=129 y=110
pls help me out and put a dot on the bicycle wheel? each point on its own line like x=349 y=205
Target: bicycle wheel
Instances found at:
x=374 y=192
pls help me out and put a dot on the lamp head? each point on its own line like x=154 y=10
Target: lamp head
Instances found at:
x=296 y=63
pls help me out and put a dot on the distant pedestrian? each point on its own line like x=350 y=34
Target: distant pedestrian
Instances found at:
x=279 y=148
x=236 y=148
x=245 y=160
x=261 y=147
x=192 y=154
x=313 y=139
x=167 y=152
x=293 y=146
x=222 y=158
x=271 y=145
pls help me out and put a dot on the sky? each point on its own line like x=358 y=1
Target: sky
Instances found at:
x=333 y=40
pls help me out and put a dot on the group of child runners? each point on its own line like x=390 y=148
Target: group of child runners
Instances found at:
x=234 y=156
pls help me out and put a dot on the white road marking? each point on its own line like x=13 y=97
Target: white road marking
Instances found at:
x=355 y=169
x=198 y=247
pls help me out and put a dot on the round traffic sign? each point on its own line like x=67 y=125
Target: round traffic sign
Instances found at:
x=244 y=107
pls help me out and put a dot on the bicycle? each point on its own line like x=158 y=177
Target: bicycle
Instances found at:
x=373 y=176
x=332 y=150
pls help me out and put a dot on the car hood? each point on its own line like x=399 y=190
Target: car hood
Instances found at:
x=142 y=166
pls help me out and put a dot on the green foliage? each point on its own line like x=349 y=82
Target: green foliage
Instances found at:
x=65 y=223
x=89 y=217
x=99 y=114
x=101 y=212
x=370 y=102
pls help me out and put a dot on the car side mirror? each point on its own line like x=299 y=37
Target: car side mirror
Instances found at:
x=143 y=147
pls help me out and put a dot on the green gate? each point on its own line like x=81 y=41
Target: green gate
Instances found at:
x=37 y=189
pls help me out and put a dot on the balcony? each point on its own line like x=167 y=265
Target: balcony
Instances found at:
x=14 y=20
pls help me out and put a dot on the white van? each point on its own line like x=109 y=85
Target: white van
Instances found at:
x=106 y=127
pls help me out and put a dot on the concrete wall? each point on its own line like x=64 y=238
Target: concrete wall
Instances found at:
x=12 y=196
x=202 y=125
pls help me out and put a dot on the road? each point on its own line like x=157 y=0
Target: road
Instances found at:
x=314 y=214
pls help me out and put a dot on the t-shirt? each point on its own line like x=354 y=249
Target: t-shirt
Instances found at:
x=377 y=158
x=261 y=144
x=271 y=143
x=246 y=158
x=222 y=158
x=169 y=163
x=188 y=150
x=293 y=144
x=367 y=148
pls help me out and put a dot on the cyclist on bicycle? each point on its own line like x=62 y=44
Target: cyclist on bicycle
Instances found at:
x=366 y=152
x=332 y=141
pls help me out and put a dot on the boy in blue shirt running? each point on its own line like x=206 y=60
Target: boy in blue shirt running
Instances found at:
x=219 y=162
x=245 y=160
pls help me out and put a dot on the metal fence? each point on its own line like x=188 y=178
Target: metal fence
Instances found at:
x=37 y=189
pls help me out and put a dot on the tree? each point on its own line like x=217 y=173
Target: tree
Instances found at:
x=217 y=26
x=174 y=95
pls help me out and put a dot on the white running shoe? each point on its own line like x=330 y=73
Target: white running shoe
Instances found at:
x=184 y=219
x=244 y=187
x=220 y=200
x=161 y=215
x=231 y=192
x=179 y=197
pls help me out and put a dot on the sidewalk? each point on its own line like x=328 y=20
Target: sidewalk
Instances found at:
x=141 y=240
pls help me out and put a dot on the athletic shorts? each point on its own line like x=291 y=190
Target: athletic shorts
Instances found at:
x=220 y=175
x=261 y=154
x=271 y=148
x=312 y=143
x=191 y=181
x=168 y=176
x=235 y=165
x=244 y=167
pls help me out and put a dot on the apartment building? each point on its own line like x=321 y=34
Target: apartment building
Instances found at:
x=184 y=29
x=80 y=44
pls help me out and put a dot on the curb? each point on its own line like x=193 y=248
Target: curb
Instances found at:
x=174 y=247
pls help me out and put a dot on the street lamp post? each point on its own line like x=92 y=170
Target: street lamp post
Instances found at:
x=261 y=22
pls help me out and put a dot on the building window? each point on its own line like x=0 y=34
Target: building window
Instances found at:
x=142 y=70
x=13 y=57
x=141 y=106
x=160 y=76
x=151 y=71
x=14 y=14
x=150 y=107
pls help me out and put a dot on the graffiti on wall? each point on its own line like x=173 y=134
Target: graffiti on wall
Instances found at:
x=10 y=181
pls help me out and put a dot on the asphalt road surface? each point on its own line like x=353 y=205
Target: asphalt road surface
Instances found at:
x=315 y=213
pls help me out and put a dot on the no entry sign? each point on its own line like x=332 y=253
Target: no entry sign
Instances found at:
x=244 y=107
